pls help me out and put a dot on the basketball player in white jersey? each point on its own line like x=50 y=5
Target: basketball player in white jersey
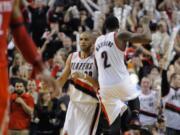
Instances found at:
x=171 y=100
x=148 y=104
x=113 y=77
x=83 y=110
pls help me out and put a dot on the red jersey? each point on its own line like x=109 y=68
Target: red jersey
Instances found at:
x=19 y=119
x=6 y=7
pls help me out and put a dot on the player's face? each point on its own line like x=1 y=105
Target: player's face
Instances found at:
x=85 y=42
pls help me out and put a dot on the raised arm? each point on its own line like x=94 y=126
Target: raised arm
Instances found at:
x=22 y=39
x=27 y=47
x=125 y=36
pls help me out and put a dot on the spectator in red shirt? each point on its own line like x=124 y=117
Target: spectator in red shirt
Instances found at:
x=21 y=110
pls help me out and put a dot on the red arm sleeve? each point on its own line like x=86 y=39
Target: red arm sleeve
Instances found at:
x=25 y=44
x=23 y=41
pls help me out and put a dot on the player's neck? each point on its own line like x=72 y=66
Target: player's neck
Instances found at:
x=84 y=54
x=114 y=30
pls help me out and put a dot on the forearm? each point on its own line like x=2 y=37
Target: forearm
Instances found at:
x=61 y=81
x=22 y=39
x=143 y=38
x=27 y=109
x=63 y=78
x=66 y=72
x=25 y=44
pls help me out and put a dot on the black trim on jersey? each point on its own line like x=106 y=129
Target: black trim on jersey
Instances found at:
x=172 y=108
x=95 y=63
x=94 y=119
x=148 y=114
x=84 y=90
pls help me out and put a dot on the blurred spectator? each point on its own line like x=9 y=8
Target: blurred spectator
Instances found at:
x=155 y=78
x=57 y=11
x=18 y=60
x=53 y=40
x=32 y=89
x=21 y=110
x=46 y=114
x=67 y=43
x=148 y=104
x=26 y=71
x=171 y=94
x=16 y=76
x=57 y=66
x=38 y=11
x=169 y=7
x=63 y=53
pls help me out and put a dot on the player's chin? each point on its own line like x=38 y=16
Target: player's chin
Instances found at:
x=84 y=48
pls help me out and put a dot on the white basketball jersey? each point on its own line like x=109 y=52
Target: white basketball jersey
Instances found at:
x=81 y=90
x=110 y=61
x=172 y=109
x=148 y=108
x=83 y=110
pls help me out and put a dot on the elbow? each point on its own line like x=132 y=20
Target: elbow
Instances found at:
x=147 y=38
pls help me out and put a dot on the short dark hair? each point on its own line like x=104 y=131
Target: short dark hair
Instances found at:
x=111 y=23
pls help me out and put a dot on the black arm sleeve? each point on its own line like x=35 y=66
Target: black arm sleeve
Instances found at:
x=165 y=87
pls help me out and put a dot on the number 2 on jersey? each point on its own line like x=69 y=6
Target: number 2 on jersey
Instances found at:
x=105 y=57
